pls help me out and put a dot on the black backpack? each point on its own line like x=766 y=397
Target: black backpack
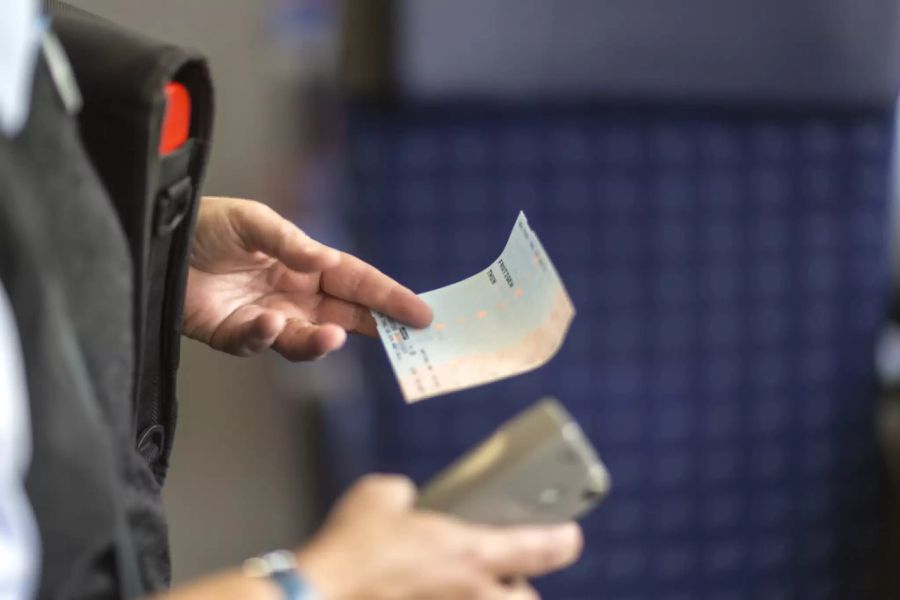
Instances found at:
x=99 y=460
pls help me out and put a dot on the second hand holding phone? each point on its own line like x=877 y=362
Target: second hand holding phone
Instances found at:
x=538 y=468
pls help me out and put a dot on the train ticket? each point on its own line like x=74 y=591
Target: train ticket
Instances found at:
x=508 y=319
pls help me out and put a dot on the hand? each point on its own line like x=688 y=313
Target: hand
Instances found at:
x=375 y=546
x=256 y=281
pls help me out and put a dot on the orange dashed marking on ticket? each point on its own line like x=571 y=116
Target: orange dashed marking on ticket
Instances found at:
x=487 y=327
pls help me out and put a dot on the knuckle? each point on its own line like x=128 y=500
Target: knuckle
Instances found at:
x=388 y=294
x=249 y=210
x=436 y=539
x=399 y=485
x=282 y=232
x=370 y=481
x=357 y=318
x=355 y=285
x=258 y=207
x=367 y=480
x=474 y=554
x=388 y=486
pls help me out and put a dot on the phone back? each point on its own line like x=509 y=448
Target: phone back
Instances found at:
x=537 y=468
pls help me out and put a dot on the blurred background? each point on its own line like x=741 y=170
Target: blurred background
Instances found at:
x=711 y=179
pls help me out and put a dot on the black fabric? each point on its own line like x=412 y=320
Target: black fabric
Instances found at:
x=122 y=75
x=65 y=264
x=96 y=277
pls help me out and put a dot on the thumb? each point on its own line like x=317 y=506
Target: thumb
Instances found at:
x=387 y=492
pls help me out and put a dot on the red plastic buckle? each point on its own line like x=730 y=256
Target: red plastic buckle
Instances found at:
x=176 y=124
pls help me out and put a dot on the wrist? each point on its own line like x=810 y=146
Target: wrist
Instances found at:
x=328 y=577
x=281 y=571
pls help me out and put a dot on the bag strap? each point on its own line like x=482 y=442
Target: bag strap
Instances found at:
x=123 y=76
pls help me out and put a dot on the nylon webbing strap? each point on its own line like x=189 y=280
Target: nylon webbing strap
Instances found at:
x=127 y=571
x=130 y=585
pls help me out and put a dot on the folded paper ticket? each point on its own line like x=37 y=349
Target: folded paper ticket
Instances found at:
x=510 y=318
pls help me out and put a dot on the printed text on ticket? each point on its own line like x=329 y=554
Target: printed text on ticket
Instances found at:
x=510 y=318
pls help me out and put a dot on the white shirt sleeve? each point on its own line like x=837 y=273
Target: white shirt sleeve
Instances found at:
x=20 y=34
x=18 y=531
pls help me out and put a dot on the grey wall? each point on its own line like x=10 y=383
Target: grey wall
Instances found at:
x=238 y=484
x=821 y=51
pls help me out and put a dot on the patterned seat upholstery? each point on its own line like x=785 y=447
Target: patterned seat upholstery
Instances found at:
x=730 y=271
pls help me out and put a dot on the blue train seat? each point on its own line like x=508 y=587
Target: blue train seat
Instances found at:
x=730 y=270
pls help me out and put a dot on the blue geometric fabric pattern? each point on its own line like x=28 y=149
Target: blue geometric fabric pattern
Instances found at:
x=730 y=272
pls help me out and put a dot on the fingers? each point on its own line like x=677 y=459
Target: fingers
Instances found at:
x=305 y=341
x=357 y=282
x=262 y=229
x=247 y=331
x=526 y=551
x=252 y=329
x=484 y=587
x=350 y=316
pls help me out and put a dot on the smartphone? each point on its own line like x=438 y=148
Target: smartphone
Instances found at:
x=537 y=468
